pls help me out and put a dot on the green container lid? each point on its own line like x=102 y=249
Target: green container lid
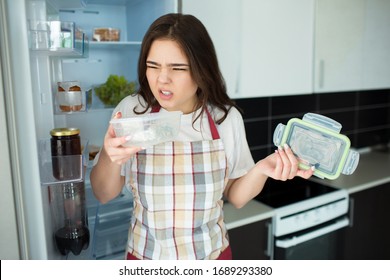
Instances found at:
x=316 y=141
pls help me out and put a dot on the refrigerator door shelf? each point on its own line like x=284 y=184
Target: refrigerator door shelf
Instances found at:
x=56 y=38
x=77 y=162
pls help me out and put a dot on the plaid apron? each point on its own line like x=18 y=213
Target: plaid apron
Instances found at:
x=177 y=190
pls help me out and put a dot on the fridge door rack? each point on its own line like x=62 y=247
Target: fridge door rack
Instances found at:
x=78 y=162
x=57 y=38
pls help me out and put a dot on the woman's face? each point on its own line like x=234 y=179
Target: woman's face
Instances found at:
x=169 y=77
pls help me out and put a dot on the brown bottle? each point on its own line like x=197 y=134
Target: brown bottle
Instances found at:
x=66 y=153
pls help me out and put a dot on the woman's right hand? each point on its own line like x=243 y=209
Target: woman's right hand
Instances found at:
x=113 y=148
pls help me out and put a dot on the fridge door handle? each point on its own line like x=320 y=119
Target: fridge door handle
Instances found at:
x=295 y=240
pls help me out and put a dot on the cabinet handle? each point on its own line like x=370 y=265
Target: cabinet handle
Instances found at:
x=321 y=73
x=351 y=211
x=296 y=240
x=270 y=241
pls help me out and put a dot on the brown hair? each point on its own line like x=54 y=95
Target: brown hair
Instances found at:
x=193 y=38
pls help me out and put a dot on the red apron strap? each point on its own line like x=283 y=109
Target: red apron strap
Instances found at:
x=213 y=127
x=156 y=109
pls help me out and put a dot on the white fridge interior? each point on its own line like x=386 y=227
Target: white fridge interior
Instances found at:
x=38 y=67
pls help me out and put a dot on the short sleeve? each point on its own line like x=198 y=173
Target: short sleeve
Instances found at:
x=232 y=133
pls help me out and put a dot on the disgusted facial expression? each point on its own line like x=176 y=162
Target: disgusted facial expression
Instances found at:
x=169 y=77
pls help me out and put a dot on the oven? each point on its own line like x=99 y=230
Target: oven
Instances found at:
x=308 y=220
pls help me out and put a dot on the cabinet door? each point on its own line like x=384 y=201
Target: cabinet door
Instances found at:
x=338 y=45
x=249 y=242
x=276 y=47
x=352 y=43
x=264 y=47
x=368 y=236
x=222 y=20
x=376 y=55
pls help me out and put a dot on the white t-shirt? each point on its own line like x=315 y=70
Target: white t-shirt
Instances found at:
x=231 y=132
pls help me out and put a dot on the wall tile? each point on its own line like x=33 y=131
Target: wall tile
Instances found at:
x=294 y=105
x=257 y=133
x=364 y=116
x=368 y=118
x=380 y=97
x=254 y=107
x=334 y=101
x=372 y=138
x=347 y=119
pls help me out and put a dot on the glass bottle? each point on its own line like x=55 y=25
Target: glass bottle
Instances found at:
x=66 y=153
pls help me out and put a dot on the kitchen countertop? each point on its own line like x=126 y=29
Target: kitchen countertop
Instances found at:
x=253 y=211
x=373 y=170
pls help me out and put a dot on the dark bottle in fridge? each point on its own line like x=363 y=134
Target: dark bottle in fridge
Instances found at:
x=68 y=204
x=66 y=153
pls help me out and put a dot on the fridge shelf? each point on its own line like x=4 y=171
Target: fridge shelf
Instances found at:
x=115 y=44
x=78 y=163
x=57 y=38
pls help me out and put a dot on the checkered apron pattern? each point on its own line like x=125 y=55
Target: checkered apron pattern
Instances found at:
x=177 y=190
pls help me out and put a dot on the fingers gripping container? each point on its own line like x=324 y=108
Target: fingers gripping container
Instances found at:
x=316 y=141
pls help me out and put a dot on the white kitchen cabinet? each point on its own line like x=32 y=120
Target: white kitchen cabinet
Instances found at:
x=376 y=45
x=264 y=47
x=352 y=42
x=277 y=47
x=338 y=45
x=223 y=25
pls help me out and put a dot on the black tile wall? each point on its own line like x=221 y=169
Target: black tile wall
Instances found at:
x=364 y=116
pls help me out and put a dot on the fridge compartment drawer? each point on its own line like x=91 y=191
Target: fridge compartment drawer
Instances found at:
x=57 y=38
x=110 y=239
x=77 y=163
x=71 y=102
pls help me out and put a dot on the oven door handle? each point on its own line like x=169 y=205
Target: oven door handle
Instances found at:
x=295 y=240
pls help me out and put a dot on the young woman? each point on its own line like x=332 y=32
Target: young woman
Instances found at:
x=178 y=186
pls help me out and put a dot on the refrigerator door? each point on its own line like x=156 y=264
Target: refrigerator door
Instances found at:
x=30 y=77
x=9 y=242
x=22 y=107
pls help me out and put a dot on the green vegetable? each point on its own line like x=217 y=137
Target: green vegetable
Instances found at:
x=115 y=89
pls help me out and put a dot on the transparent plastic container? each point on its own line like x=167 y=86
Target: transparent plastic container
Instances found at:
x=106 y=34
x=70 y=98
x=316 y=141
x=148 y=130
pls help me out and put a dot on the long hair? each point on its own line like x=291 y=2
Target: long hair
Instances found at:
x=194 y=40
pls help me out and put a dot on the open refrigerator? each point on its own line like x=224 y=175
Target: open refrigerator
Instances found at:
x=44 y=42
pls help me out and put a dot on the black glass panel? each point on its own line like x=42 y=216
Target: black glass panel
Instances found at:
x=281 y=193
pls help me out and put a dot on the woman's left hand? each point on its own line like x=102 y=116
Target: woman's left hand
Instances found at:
x=283 y=165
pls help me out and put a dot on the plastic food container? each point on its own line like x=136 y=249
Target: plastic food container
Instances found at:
x=148 y=130
x=69 y=96
x=316 y=141
x=106 y=34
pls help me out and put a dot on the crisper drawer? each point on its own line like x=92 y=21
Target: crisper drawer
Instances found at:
x=111 y=228
x=110 y=240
